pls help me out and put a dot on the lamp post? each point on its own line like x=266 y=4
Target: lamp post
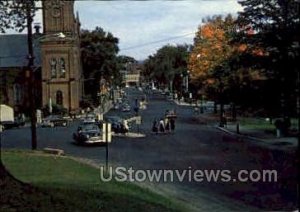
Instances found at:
x=31 y=76
x=187 y=81
x=222 y=117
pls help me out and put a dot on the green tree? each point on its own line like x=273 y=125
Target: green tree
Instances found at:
x=273 y=26
x=166 y=65
x=13 y=14
x=99 y=59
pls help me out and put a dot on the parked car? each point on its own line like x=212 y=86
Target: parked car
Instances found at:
x=117 y=124
x=53 y=121
x=88 y=134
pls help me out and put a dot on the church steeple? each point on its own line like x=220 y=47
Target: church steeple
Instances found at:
x=59 y=16
x=61 y=66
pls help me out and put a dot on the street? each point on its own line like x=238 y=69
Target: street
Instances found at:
x=193 y=146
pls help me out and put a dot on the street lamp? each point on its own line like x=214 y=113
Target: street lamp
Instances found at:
x=30 y=70
x=30 y=76
x=187 y=81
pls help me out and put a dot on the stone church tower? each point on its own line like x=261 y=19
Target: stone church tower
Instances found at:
x=60 y=50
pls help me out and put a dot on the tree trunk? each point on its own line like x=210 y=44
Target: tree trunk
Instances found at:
x=215 y=108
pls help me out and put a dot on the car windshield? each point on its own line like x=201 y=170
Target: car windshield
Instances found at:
x=54 y=117
x=88 y=127
x=113 y=119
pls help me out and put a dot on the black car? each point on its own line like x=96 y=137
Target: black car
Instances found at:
x=88 y=134
x=54 y=120
x=117 y=124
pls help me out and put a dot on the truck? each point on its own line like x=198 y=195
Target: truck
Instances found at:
x=7 y=119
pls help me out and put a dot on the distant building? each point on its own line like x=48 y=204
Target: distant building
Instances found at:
x=57 y=66
x=131 y=74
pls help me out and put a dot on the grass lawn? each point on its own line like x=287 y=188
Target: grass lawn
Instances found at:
x=63 y=184
x=262 y=124
x=256 y=123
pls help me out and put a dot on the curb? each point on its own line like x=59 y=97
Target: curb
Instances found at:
x=255 y=139
x=130 y=135
x=239 y=135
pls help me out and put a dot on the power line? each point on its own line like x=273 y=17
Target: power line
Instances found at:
x=158 y=41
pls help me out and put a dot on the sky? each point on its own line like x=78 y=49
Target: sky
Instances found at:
x=145 y=26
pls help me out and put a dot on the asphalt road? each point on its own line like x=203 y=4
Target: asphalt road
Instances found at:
x=192 y=147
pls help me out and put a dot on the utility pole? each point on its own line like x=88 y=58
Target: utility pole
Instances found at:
x=30 y=74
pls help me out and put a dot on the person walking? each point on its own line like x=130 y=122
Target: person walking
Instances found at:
x=161 y=125
x=167 y=125
x=125 y=127
x=172 y=124
x=155 y=126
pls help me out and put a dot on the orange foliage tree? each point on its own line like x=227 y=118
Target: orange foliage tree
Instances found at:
x=211 y=50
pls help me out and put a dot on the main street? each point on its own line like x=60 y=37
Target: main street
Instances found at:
x=193 y=146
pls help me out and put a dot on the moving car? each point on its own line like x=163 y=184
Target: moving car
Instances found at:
x=88 y=134
x=53 y=121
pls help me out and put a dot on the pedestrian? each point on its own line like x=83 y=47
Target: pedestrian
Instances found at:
x=167 y=124
x=161 y=125
x=125 y=127
x=154 y=126
x=172 y=124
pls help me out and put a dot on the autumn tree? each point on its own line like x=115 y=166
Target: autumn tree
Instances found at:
x=208 y=60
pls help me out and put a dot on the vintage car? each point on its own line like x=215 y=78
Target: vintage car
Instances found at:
x=53 y=121
x=88 y=134
x=117 y=124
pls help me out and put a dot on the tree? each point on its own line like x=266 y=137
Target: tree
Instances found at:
x=99 y=59
x=13 y=14
x=209 y=59
x=166 y=65
x=274 y=27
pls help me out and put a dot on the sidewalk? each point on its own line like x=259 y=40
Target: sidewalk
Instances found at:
x=266 y=139
x=260 y=136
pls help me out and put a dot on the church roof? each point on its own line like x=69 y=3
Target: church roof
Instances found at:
x=14 y=51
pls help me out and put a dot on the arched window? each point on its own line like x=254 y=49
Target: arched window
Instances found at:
x=53 y=65
x=59 y=98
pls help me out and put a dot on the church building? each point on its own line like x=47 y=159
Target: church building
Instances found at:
x=57 y=65
x=60 y=51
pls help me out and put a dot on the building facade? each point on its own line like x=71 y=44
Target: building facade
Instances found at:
x=60 y=53
x=131 y=74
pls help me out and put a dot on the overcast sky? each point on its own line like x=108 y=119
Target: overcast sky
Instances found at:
x=144 y=26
